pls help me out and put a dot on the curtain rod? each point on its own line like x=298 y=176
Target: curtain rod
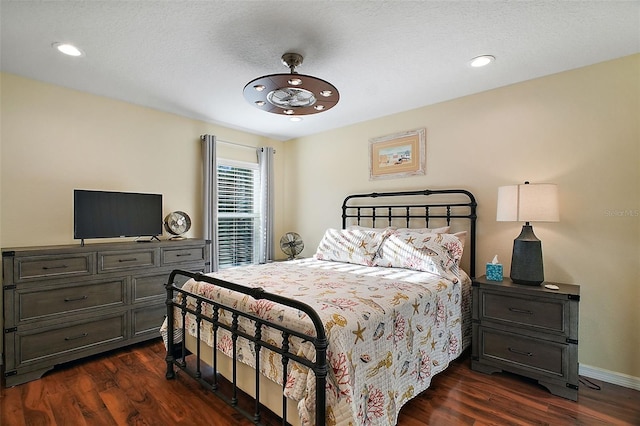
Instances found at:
x=242 y=145
x=237 y=144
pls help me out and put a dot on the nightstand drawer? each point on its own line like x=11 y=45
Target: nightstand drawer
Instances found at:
x=523 y=353
x=123 y=260
x=547 y=314
x=56 y=266
x=71 y=298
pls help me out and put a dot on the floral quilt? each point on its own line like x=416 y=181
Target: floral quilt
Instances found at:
x=390 y=331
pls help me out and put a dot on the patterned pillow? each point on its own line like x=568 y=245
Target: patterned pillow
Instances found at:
x=357 y=246
x=439 y=254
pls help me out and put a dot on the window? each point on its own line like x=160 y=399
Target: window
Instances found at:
x=238 y=213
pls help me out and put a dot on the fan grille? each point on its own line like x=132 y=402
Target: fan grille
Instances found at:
x=291 y=244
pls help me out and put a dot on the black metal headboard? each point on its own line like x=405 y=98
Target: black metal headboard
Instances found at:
x=410 y=209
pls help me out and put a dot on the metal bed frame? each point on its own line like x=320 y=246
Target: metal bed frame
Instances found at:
x=403 y=214
x=354 y=207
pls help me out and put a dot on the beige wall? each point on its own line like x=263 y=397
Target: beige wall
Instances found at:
x=578 y=129
x=55 y=139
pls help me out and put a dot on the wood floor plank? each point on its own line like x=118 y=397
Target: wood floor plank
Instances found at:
x=11 y=408
x=66 y=411
x=121 y=409
x=128 y=387
x=91 y=405
x=37 y=410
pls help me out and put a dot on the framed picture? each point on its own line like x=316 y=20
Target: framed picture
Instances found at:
x=398 y=155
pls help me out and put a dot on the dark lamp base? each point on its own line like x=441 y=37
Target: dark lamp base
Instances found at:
x=526 y=259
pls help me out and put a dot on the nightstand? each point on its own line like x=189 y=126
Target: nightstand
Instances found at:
x=527 y=330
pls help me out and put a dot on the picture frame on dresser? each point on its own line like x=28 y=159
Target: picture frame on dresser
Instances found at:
x=528 y=330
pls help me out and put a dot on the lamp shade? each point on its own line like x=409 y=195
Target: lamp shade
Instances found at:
x=528 y=203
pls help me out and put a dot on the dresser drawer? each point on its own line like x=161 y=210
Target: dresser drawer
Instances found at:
x=540 y=313
x=111 y=261
x=148 y=320
x=51 y=343
x=153 y=286
x=53 y=266
x=523 y=353
x=182 y=255
x=70 y=298
x=149 y=286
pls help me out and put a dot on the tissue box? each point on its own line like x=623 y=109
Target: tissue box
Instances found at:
x=494 y=271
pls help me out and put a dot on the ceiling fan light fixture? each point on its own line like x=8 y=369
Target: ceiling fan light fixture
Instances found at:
x=293 y=93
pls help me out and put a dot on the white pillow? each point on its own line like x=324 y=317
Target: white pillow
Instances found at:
x=357 y=246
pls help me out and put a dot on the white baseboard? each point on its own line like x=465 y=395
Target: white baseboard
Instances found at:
x=610 y=376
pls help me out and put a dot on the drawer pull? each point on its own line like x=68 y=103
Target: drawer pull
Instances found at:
x=516 y=351
x=46 y=268
x=183 y=254
x=131 y=259
x=83 y=335
x=521 y=311
x=75 y=299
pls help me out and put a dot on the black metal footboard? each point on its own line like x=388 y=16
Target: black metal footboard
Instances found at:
x=176 y=356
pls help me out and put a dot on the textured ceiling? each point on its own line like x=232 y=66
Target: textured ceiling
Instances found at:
x=193 y=58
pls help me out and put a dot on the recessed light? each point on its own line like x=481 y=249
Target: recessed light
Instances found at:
x=481 y=61
x=67 y=49
x=259 y=87
x=295 y=82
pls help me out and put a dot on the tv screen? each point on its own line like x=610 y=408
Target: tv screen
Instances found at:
x=104 y=214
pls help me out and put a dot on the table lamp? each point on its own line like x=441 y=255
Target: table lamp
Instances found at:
x=527 y=203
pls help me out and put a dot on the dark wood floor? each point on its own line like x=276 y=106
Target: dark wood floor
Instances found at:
x=127 y=387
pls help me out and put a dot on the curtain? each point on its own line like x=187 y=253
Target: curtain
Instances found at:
x=265 y=161
x=210 y=199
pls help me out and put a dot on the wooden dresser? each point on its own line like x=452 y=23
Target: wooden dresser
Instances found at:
x=528 y=330
x=62 y=303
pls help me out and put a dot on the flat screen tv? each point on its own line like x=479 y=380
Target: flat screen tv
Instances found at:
x=105 y=214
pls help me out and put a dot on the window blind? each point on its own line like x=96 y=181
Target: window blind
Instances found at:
x=238 y=214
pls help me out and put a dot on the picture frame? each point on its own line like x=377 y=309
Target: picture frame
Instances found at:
x=398 y=155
